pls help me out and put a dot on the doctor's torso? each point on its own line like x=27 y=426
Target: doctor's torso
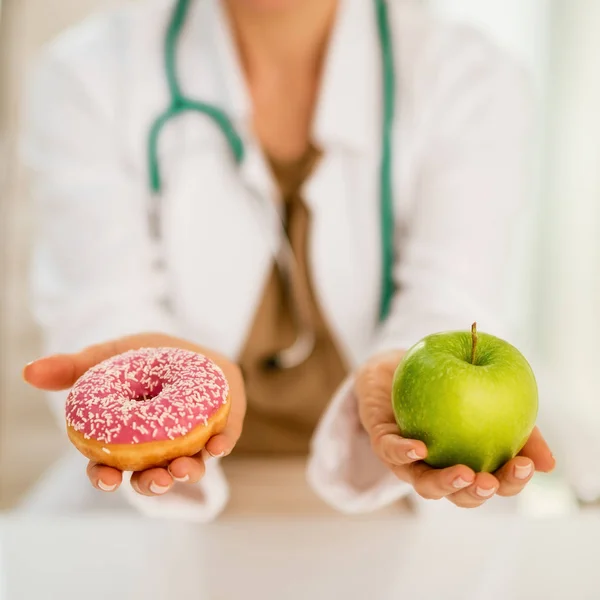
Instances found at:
x=217 y=239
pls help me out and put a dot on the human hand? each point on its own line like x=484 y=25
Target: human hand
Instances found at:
x=61 y=371
x=458 y=484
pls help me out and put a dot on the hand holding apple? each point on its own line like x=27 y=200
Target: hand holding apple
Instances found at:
x=470 y=397
x=460 y=484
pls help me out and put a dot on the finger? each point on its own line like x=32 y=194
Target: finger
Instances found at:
x=538 y=451
x=373 y=387
x=61 y=371
x=152 y=482
x=223 y=443
x=483 y=488
x=104 y=478
x=52 y=373
x=188 y=469
x=394 y=449
x=434 y=484
x=514 y=476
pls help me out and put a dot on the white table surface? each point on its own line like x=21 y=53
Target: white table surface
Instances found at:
x=468 y=557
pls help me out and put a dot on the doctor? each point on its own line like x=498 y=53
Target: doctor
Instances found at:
x=301 y=189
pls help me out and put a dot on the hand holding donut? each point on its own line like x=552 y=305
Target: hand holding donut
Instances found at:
x=61 y=372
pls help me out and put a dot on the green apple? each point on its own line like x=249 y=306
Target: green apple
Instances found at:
x=471 y=397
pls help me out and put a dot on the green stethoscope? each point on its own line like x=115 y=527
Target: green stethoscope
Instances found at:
x=304 y=344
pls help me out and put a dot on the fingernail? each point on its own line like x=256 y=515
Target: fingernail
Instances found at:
x=105 y=487
x=158 y=489
x=183 y=479
x=206 y=454
x=460 y=483
x=412 y=454
x=485 y=493
x=38 y=359
x=523 y=471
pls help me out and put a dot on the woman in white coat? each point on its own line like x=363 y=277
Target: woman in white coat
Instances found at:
x=406 y=140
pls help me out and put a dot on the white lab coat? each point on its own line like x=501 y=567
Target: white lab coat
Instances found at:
x=460 y=146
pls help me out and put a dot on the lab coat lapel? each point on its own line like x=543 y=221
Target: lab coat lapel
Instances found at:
x=235 y=252
x=225 y=237
x=343 y=193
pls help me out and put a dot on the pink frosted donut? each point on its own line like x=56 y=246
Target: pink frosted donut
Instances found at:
x=146 y=407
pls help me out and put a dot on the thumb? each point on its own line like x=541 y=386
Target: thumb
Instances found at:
x=53 y=373
x=61 y=371
x=373 y=388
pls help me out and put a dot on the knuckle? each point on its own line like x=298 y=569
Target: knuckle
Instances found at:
x=380 y=431
x=382 y=449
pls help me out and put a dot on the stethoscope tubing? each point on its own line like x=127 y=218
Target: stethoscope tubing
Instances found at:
x=284 y=256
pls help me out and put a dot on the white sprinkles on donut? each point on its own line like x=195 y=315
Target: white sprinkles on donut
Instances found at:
x=146 y=395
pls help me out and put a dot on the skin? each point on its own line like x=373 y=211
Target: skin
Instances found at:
x=282 y=44
x=373 y=391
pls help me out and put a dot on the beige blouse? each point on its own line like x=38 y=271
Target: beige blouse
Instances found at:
x=284 y=406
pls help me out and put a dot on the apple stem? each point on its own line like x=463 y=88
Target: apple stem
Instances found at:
x=474 y=342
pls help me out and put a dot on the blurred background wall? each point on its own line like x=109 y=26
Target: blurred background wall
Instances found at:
x=29 y=439
x=556 y=39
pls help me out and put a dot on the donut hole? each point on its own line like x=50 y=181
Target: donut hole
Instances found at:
x=145 y=393
x=143 y=398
